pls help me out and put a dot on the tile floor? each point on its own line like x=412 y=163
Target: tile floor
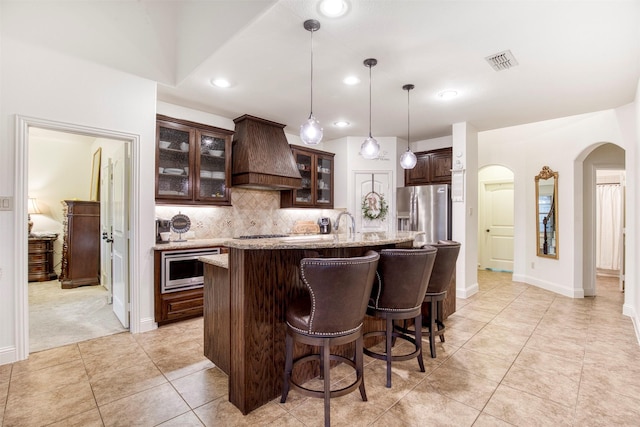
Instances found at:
x=514 y=355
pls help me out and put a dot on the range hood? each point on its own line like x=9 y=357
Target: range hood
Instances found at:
x=262 y=158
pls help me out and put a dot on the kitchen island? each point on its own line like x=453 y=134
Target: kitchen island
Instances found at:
x=247 y=296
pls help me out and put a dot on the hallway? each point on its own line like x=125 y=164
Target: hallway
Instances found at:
x=514 y=355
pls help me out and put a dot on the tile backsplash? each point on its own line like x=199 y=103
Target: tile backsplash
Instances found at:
x=252 y=212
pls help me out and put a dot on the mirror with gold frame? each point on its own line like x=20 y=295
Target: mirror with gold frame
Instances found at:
x=547 y=213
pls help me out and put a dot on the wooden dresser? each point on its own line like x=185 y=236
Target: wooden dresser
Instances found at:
x=81 y=244
x=41 y=258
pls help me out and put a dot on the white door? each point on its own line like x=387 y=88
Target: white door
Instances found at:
x=120 y=228
x=366 y=183
x=497 y=229
x=106 y=190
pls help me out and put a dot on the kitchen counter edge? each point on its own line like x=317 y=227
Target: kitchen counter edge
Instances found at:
x=338 y=241
x=189 y=244
x=221 y=260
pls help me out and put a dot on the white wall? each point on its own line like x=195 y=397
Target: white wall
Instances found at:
x=349 y=160
x=46 y=85
x=632 y=303
x=464 y=215
x=557 y=144
x=432 y=144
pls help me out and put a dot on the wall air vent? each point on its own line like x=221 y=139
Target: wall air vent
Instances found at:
x=502 y=60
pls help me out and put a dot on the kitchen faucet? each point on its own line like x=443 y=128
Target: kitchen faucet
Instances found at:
x=352 y=227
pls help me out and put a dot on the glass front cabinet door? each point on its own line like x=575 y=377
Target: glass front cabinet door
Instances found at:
x=174 y=158
x=213 y=167
x=316 y=170
x=193 y=163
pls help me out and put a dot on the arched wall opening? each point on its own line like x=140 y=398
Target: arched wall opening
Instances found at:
x=598 y=157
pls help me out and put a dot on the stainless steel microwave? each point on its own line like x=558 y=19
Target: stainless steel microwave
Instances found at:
x=181 y=269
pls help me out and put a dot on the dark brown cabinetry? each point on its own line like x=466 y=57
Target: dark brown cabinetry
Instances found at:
x=179 y=305
x=41 y=259
x=81 y=244
x=433 y=167
x=316 y=170
x=193 y=163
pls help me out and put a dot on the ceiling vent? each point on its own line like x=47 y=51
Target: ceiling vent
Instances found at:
x=502 y=60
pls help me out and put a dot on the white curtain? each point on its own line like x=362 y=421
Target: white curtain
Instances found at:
x=608 y=226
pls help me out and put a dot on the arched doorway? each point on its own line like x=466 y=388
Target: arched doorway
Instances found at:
x=598 y=242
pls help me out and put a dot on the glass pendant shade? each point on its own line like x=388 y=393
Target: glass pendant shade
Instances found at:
x=370 y=148
x=311 y=132
x=408 y=160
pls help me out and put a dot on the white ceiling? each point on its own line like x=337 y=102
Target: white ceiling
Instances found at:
x=574 y=57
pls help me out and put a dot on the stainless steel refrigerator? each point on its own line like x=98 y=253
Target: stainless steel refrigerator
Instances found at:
x=425 y=208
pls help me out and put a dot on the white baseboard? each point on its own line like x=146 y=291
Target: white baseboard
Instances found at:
x=468 y=291
x=146 y=324
x=553 y=287
x=628 y=310
x=7 y=355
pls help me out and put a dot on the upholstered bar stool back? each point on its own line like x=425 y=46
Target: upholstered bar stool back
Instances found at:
x=331 y=315
x=403 y=276
x=441 y=276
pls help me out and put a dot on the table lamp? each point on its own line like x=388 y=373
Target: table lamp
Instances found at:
x=32 y=208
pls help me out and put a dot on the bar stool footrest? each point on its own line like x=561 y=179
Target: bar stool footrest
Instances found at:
x=398 y=357
x=320 y=393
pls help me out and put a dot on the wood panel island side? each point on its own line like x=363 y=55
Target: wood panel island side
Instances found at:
x=245 y=298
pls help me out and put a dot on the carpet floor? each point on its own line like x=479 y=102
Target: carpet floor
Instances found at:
x=59 y=317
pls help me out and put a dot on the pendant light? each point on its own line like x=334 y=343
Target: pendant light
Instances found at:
x=370 y=147
x=408 y=160
x=310 y=131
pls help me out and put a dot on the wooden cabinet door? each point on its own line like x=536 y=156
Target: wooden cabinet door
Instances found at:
x=433 y=167
x=212 y=172
x=420 y=173
x=174 y=158
x=324 y=181
x=303 y=197
x=440 y=166
x=316 y=170
x=193 y=161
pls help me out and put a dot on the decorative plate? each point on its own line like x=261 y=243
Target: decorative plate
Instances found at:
x=180 y=223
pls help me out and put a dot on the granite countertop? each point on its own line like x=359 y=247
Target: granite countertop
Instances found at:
x=315 y=241
x=221 y=260
x=195 y=243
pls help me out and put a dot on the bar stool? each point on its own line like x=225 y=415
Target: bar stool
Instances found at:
x=439 y=281
x=403 y=276
x=332 y=315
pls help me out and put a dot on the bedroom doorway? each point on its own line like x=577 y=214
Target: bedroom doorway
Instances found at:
x=56 y=316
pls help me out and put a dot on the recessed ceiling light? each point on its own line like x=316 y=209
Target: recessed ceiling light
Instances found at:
x=351 y=80
x=341 y=124
x=448 y=94
x=220 y=82
x=333 y=8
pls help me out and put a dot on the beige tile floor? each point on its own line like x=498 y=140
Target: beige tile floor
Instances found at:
x=514 y=355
